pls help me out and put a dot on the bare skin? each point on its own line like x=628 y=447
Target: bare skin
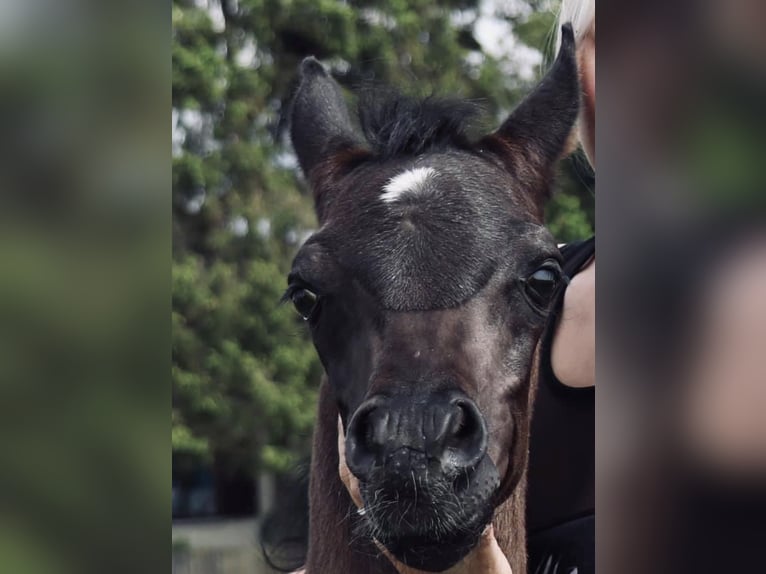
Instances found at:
x=486 y=558
x=573 y=356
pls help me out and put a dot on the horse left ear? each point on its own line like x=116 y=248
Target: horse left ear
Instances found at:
x=320 y=124
x=537 y=132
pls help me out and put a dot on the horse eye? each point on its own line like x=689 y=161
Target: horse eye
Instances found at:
x=305 y=302
x=541 y=285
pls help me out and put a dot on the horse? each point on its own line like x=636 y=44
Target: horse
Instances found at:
x=426 y=289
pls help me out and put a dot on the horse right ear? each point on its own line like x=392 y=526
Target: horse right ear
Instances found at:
x=320 y=124
x=539 y=130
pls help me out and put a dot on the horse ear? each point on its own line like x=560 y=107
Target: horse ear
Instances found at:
x=319 y=121
x=537 y=132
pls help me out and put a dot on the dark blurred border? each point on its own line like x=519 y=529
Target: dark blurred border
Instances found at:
x=680 y=147
x=84 y=286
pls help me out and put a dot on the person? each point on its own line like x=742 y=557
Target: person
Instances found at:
x=560 y=502
x=561 y=474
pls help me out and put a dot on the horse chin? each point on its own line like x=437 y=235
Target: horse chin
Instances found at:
x=441 y=527
x=431 y=555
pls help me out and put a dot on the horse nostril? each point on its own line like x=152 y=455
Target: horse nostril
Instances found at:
x=365 y=437
x=466 y=440
x=463 y=423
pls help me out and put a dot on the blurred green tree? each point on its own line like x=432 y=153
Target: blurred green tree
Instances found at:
x=244 y=371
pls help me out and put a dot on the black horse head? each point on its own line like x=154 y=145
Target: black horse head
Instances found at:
x=426 y=289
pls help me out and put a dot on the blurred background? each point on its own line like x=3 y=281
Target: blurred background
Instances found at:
x=245 y=375
x=681 y=313
x=84 y=286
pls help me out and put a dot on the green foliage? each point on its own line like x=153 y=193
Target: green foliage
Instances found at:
x=244 y=373
x=566 y=218
x=571 y=213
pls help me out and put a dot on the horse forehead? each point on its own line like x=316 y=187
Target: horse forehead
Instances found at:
x=426 y=237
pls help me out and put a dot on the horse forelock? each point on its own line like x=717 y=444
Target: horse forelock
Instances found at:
x=394 y=124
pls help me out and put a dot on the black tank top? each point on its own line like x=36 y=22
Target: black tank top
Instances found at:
x=561 y=494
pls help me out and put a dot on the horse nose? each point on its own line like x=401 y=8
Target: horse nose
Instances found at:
x=449 y=429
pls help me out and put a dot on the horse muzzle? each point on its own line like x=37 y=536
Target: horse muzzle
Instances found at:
x=425 y=476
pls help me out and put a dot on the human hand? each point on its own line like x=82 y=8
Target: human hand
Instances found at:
x=486 y=558
x=348 y=479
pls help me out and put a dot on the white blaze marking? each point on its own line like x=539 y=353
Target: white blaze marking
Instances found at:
x=411 y=181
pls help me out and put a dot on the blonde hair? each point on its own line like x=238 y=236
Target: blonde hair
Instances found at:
x=582 y=15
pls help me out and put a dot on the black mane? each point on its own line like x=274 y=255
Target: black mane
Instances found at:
x=396 y=124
